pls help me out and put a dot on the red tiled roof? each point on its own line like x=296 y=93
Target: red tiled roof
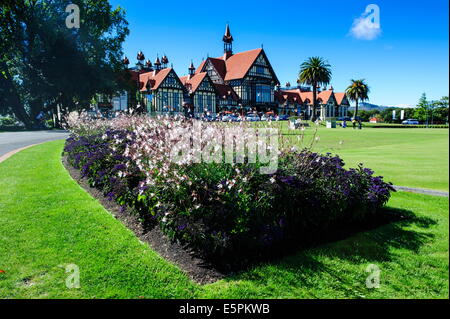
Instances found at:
x=194 y=81
x=154 y=80
x=325 y=96
x=219 y=65
x=226 y=90
x=339 y=97
x=303 y=95
x=290 y=96
x=134 y=75
x=235 y=67
x=238 y=64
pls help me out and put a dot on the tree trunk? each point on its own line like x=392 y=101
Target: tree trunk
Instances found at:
x=20 y=113
x=313 y=117
x=356 y=110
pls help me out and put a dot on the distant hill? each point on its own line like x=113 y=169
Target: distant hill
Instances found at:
x=369 y=107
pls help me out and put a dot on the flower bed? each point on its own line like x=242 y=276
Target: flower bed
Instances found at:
x=230 y=214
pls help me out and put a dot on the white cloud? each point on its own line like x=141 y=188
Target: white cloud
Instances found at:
x=367 y=26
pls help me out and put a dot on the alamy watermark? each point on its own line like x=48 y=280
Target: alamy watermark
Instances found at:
x=367 y=26
x=373 y=280
x=73 y=19
x=73 y=278
x=231 y=145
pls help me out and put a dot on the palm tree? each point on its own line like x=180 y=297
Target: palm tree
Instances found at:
x=356 y=91
x=315 y=71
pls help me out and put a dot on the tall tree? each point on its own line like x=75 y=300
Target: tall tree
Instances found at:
x=422 y=108
x=315 y=71
x=357 y=91
x=43 y=62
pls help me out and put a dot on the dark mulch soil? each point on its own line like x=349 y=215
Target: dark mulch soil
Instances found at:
x=196 y=268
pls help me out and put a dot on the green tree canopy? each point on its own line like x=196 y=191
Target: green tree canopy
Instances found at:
x=357 y=91
x=315 y=71
x=44 y=63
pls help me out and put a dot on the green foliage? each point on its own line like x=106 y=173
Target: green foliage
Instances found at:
x=43 y=63
x=233 y=214
x=357 y=91
x=58 y=223
x=7 y=121
x=315 y=71
x=431 y=112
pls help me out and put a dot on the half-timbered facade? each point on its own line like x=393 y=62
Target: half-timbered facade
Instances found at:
x=300 y=101
x=243 y=81
x=163 y=91
x=201 y=94
x=248 y=74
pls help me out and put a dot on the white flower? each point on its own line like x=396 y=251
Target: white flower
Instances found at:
x=272 y=180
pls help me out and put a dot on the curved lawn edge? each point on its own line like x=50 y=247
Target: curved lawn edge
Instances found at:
x=51 y=229
x=194 y=267
x=50 y=221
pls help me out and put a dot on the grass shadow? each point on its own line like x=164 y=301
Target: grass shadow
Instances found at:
x=371 y=245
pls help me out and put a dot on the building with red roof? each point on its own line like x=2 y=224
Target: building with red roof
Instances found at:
x=201 y=93
x=242 y=81
x=247 y=78
x=299 y=101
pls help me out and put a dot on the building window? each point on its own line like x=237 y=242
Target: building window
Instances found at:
x=165 y=100
x=199 y=100
x=263 y=93
x=260 y=69
x=176 y=102
x=209 y=102
x=170 y=81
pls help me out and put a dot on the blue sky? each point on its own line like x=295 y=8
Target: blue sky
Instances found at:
x=406 y=56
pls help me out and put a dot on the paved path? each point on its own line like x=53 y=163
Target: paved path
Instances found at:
x=421 y=191
x=12 y=141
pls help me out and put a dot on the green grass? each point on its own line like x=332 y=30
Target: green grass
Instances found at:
x=406 y=157
x=47 y=221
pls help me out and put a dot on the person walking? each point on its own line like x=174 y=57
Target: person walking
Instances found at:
x=40 y=119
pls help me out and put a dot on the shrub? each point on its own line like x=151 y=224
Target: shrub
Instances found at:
x=7 y=121
x=230 y=214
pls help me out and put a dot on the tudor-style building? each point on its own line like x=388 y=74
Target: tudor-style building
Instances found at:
x=240 y=82
x=248 y=74
x=201 y=93
x=298 y=101
x=162 y=90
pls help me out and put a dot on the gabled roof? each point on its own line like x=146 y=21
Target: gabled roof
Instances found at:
x=195 y=81
x=290 y=97
x=152 y=79
x=226 y=90
x=304 y=96
x=325 y=96
x=218 y=63
x=340 y=97
x=238 y=64
x=307 y=96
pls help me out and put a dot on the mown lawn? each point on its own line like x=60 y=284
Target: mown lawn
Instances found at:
x=47 y=221
x=406 y=157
